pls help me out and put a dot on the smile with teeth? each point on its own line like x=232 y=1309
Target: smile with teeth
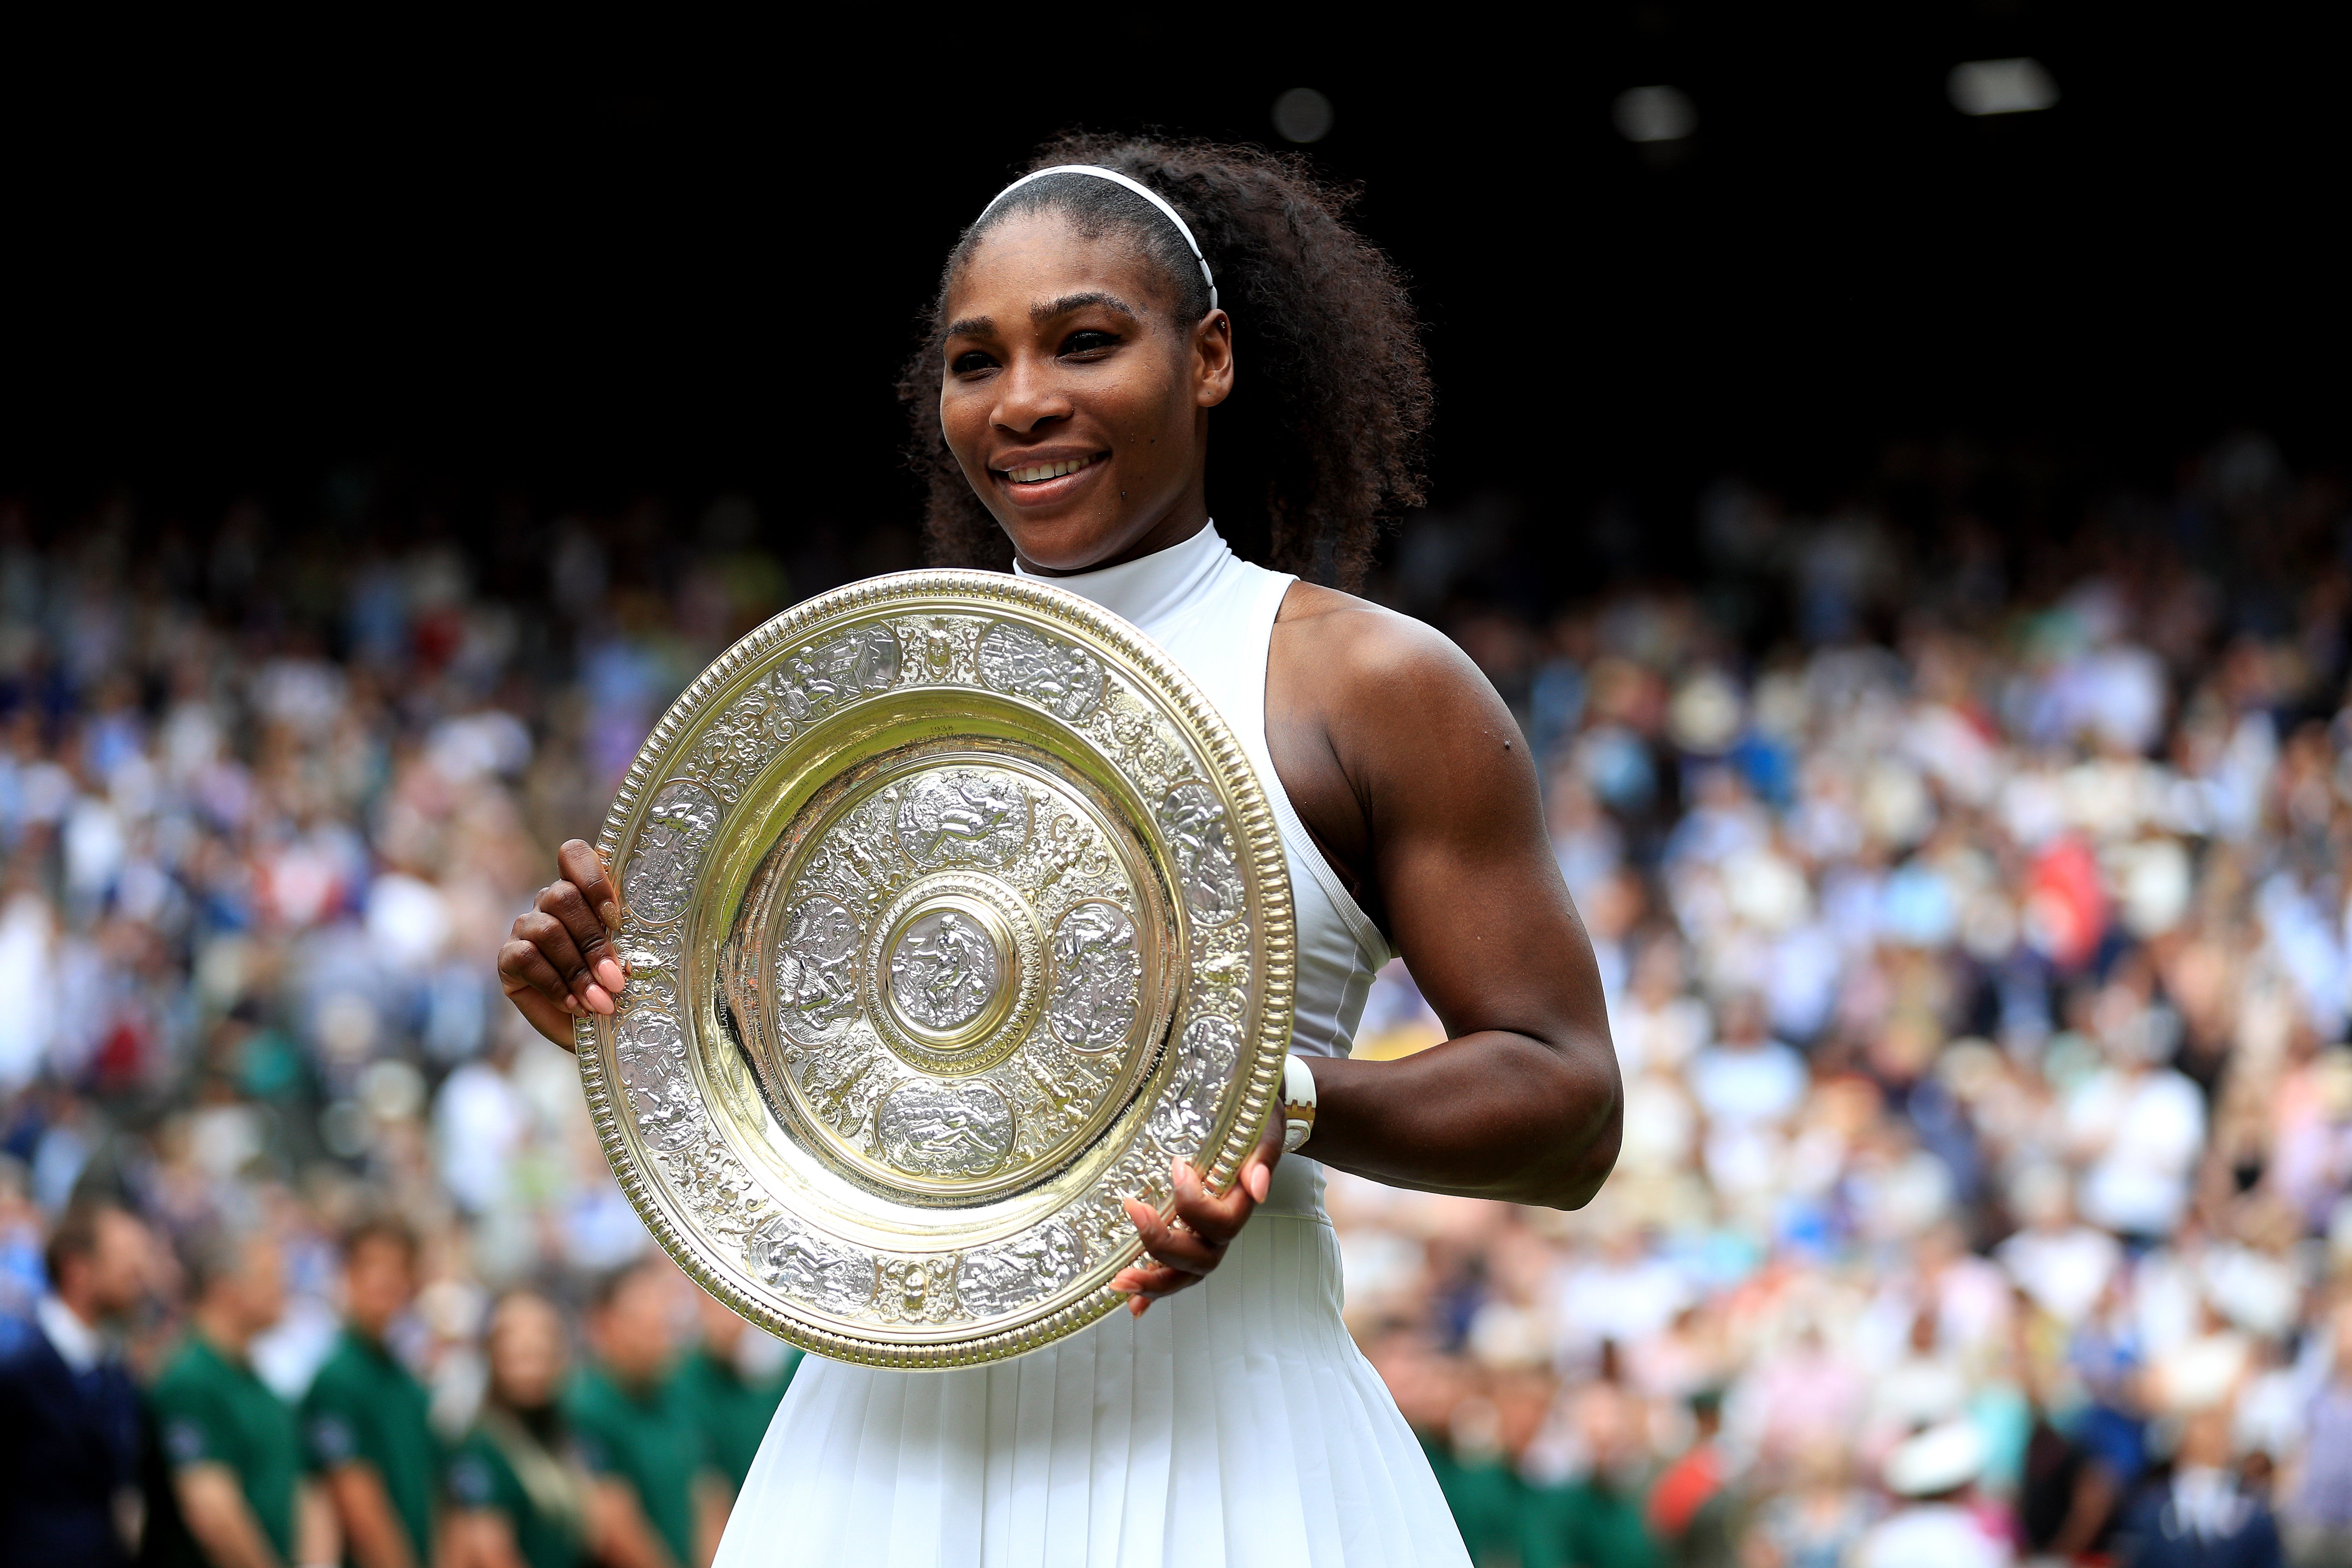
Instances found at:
x=1032 y=473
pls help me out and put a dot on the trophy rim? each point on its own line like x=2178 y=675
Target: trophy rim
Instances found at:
x=1259 y=850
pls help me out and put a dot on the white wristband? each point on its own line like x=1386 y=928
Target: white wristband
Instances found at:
x=1297 y=1104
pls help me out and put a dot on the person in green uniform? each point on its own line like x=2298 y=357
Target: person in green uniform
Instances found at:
x=366 y=1416
x=656 y=1502
x=1480 y=1486
x=1593 y=1523
x=733 y=1380
x=518 y=1495
x=233 y=1446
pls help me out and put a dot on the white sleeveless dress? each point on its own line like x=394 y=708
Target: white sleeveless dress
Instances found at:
x=1236 y=1424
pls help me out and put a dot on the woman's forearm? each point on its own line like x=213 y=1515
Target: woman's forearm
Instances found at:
x=1489 y=1115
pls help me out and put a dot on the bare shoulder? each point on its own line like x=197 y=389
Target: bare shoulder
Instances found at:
x=1368 y=659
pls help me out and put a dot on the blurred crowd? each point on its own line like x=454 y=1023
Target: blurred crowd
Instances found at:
x=269 y=799
x=1972 y=909
x=1969 y=883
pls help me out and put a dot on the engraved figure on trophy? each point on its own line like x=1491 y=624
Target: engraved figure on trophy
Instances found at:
x=786 y=1257
x=1097 y=974
x=678 y=824
x=1058 y=676
x=814 y=977
x=998 y=1279
x=820 y=677
x=973 y=818
x=949 y=1131
x=943 y=971
x=1183 y=1117
x=1193 y=818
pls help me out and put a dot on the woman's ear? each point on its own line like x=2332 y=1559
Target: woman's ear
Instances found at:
x=1212 y=359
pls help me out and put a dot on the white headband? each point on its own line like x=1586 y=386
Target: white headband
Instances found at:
x=1116 y=178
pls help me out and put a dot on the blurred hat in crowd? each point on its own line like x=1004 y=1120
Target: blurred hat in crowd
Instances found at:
x=1942 y=1459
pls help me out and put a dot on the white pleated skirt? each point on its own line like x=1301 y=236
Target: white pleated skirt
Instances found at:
x=1235 y=1425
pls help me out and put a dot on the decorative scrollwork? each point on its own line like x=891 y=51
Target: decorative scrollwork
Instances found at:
x=917 y=1291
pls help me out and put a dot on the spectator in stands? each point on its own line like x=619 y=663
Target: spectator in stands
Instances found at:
x=1593 y=1518
x=2319 y=1514
x=1933 y=1525
x=365 y=1417
x=656 y=1502
x=237 y=1489
x=1694 y=1509
x=70 y=1417
x=732 y=1382
x=2205 y=1516
x=519 y=1497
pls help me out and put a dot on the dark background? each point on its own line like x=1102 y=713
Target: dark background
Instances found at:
x=574 y=269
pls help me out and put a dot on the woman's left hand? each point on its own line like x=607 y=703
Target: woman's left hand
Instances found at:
x=1184 y=1250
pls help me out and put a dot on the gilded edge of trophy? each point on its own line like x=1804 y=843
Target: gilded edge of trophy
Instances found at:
x=1260 y=843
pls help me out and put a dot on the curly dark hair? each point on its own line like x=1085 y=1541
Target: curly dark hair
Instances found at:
x=1320 y=444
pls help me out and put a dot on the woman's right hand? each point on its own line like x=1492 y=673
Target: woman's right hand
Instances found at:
x=559 y=962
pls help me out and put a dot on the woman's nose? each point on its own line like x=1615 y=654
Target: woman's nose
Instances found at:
x=1029 y=394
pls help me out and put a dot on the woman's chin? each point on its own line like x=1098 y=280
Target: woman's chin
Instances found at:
x=1063 y=545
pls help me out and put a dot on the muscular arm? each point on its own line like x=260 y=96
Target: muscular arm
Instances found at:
x=1413 y=777
x=214 y=1506
x=365 y=1512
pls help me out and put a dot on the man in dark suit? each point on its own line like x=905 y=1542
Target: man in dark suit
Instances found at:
x=69 y=1417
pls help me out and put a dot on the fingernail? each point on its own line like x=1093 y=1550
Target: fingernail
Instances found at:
x=611 y=913
x=600 y=999
x=612 y=974
x=570 y=1004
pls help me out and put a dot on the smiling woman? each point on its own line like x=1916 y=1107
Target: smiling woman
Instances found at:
x=1316 y=445
x=1089 y=325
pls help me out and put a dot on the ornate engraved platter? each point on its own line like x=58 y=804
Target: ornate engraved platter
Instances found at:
x=953 y=912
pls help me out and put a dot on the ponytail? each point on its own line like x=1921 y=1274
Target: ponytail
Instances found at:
x=1320 y=444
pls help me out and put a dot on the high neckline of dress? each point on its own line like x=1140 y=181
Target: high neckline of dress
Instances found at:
x=1149 y=589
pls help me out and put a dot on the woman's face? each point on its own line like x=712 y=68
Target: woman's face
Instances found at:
x=1076 y=405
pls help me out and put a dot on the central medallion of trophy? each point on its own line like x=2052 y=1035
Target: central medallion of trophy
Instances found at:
x=964 y=983
x=947 y=971
x=954 y=971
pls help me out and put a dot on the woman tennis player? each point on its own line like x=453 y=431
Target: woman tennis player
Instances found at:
x=1099 y=320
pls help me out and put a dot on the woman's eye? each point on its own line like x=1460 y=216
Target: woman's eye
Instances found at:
x=1088 y=343
x=966 y=363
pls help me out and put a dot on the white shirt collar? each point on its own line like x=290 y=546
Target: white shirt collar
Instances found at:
x=1151 y=589
x=79 y=1345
